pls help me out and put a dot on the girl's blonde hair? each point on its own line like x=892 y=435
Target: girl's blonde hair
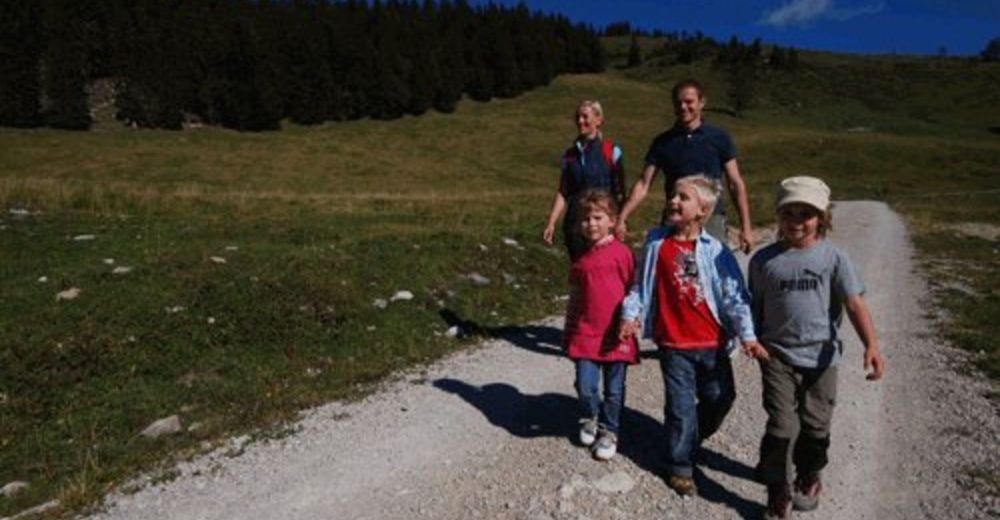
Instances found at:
x=707 y=189
x=593 y=199
x=593 y=105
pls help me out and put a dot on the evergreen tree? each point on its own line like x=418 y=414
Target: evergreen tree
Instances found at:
x=992 y=51
x=308 y=80
x=742 y=86
x=634 y=53
x=64 y=60
x=150 y=91
x=452 y=71
x=391 y=97
x=479 y=84
x=792 y=59
x=20 y=54
x=778 y=59
x=500 y=54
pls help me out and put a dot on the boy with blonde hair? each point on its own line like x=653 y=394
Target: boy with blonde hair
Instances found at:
x=690 y=295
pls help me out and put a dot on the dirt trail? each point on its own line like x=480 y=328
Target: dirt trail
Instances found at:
x=487 y=434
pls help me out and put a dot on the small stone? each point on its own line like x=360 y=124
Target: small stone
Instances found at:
x=370 y=328
x=510 y=242
x=43 y=279
x=483 y=248
x=380 y=303
x=617 y=482
x=166 y=426
x=83 y=238
x=37 y=510
x=401 y=296
x=68 y=294
x=217 y=259
x=211 y=320
x=12 y=488
x=454 y=331
x=478 y=279
x=122 y=269
x=108 y=261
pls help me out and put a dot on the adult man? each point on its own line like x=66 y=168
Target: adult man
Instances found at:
x=689 y=147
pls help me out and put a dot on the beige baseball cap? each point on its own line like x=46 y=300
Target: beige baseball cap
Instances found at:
x=804 y=189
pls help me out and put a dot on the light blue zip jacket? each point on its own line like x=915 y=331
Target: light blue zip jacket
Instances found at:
x=717 y=269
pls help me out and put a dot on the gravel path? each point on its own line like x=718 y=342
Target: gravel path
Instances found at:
x=488 y=434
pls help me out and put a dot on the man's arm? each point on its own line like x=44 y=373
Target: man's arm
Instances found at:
x=635 y=196
x=738 y=194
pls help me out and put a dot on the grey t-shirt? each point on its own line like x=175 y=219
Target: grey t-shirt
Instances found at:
x=798 y=300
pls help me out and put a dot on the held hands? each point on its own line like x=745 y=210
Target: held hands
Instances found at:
x=629 y=328
x=754 y=350
x=621 y=229
x=874 y=364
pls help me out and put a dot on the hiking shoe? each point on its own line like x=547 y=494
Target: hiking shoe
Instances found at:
x=779 y=502
x=606 y=446
x=588 y=431
x=805 y=493
x=684 y=486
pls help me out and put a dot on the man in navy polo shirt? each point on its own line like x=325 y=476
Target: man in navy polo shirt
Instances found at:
x=691 y=147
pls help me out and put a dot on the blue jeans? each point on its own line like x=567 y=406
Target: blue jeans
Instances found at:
x=588 y=377
x=699 y=393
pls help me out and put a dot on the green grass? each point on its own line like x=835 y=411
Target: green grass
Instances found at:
x=315 y=223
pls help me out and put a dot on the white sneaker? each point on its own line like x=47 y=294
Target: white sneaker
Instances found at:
x=588 y=431
x=606 y=446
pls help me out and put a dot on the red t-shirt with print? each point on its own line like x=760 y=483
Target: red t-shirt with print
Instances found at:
x=683 y=319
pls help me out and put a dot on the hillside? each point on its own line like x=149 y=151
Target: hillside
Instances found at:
x=260 y=267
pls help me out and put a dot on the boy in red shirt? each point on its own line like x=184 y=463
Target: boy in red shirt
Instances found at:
x=691 y=292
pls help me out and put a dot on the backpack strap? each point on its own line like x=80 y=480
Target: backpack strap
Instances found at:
x=617 y=175
x=608 y=150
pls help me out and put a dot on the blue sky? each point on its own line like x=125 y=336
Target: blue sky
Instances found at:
x=865 y=26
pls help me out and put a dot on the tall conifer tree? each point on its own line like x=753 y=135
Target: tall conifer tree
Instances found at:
x=64 y=79
x=20 y=54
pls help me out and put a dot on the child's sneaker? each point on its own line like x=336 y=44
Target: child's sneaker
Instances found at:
x=779 y=502
x=684 y=486
x=588 y=431
x=805 y=493
x=606 y=446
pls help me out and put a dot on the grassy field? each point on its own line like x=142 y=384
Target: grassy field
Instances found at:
x=255 y=260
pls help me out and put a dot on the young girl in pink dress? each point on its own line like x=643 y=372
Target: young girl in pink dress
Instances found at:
x=599 y=280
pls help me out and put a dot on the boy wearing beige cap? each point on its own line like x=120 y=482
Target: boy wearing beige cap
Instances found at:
x=800 y=286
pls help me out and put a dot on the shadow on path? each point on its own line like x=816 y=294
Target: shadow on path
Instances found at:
x=712 y=491
x=555 y=415
x=545 y=415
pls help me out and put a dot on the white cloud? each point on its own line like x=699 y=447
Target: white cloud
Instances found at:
x=848 y=13
x=803 y=12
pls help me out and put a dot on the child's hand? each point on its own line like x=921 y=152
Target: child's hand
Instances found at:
x=754 y=350
x=628 y=329
x=874 y=364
